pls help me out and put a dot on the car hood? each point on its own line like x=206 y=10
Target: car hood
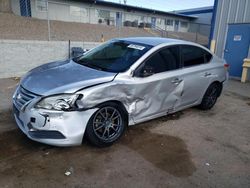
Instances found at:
x=63 y=77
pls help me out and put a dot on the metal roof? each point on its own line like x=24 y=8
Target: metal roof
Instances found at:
x=200 y=10
x=131 y=8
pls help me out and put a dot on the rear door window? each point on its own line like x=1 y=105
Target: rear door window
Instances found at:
x=193 y=55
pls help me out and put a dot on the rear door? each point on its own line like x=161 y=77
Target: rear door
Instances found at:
x=196 y=73
x=158 y=85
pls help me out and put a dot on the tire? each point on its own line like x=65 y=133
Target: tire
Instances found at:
x=210 y=97
x=106 y=125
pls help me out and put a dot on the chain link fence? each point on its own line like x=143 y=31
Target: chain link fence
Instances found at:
x=198 y=33
x=59 y=21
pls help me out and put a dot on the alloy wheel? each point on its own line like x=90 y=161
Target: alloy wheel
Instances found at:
x=107 y=124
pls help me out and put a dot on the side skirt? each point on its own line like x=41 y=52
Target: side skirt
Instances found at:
x=171 y=111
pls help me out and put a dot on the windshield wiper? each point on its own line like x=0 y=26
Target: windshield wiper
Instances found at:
x=94 y=66
x=84 y=63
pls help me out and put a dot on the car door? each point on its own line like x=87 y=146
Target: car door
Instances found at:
x=196 y=73
x=158 y=85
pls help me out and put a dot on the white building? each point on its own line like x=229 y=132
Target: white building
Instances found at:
x=101 y=12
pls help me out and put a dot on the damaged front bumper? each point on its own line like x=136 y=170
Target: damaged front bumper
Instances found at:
x=58 y=128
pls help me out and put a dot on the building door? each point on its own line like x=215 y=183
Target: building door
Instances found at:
x=153 y=22
x=176 y=25
x=237 y=46
x=25 y=8
x=118 y=20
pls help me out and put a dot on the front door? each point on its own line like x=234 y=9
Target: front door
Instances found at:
x=176 y=25
x=118 y=19
x=25 y=8
x=158 y=85
x=237 y=46
x=153 y=22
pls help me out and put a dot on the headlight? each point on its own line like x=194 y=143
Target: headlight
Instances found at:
x=58 y=102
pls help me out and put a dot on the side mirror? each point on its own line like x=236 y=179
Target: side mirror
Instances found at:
x=146 y=71
x=78 y=51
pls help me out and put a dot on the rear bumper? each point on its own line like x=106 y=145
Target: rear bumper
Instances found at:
x=53 y=127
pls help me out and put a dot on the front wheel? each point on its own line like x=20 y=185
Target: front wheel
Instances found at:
x=211 y=96
x=106 y=125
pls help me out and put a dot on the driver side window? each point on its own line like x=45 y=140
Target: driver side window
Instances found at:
x=156 y=64
x=164 y=60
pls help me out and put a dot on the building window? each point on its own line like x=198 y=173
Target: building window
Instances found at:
x=184 y=24
x=103 y=14
x=41 y=5
x=75 y=11
x=104 y=17
x=169 y=22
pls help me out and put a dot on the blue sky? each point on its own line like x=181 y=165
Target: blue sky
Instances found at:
x=168 y=5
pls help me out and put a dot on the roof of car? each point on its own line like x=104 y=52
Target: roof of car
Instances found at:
x=152 y=41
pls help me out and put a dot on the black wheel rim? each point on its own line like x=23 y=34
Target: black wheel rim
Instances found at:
x=212 y=97
x=107 y=124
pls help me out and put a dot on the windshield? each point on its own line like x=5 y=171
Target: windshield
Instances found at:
x=113 y=56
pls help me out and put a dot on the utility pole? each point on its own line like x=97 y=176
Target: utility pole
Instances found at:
x=48 y=20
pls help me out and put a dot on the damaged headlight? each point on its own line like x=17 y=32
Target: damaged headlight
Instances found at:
x=59 y=102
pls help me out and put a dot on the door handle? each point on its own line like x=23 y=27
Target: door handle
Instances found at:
x=207 y=74
x=176 y=81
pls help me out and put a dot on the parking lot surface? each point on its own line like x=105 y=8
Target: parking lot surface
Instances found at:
x=191 y=148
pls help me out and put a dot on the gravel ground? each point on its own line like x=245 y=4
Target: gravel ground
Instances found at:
x=191 y=148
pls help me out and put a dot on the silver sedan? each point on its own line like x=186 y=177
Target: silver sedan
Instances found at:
x=117 y=84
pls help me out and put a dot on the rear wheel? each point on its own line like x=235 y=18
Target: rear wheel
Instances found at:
x=106 y=125
x=211 y=96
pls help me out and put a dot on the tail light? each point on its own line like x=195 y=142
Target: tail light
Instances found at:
x=226 y=66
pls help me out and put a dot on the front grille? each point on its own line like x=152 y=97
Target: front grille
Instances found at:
x=23 y=96
x=45 y=134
